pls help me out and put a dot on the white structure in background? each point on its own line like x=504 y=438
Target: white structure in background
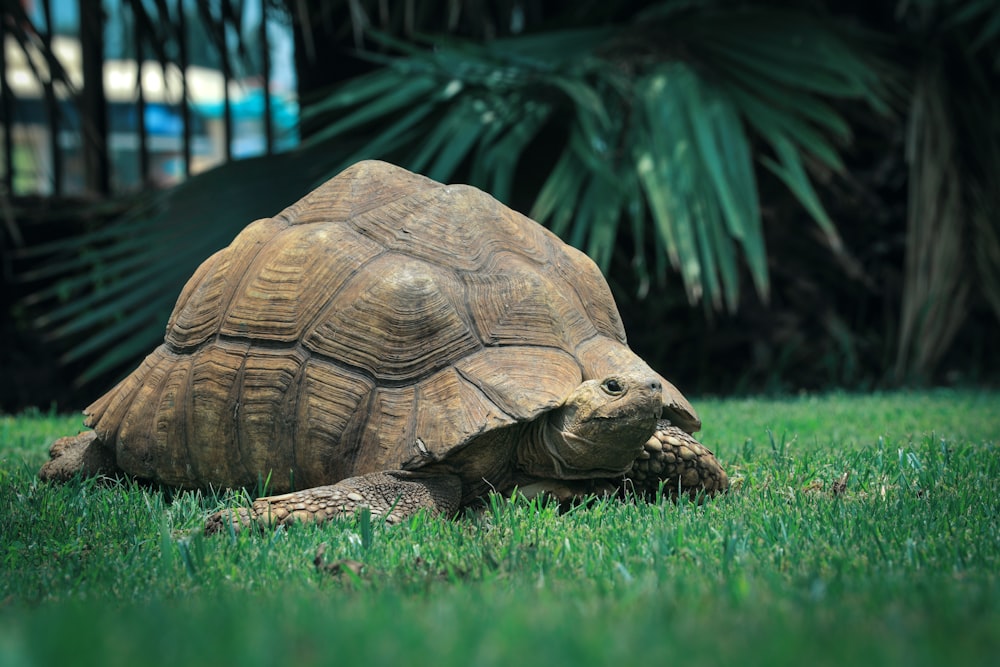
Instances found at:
x=162 y=90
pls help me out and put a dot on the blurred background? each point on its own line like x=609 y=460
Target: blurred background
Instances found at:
x=785 y=196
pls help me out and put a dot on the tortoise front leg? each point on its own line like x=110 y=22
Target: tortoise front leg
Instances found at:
x=681 y=463
x=393 y=495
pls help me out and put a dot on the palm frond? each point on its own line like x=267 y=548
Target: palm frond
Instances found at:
x=953 y=155
x=124 y=279
x=689 y=182
x=936 y=290
x=981 y=18
x=644 y=132
x=763 y=73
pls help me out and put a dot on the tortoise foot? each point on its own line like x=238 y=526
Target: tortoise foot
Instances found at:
x=81 y=454
x=233 y=520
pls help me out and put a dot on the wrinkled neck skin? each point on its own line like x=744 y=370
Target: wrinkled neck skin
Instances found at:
x=593 y=434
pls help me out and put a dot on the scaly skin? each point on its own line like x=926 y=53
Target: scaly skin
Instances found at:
x=392 y=496
x=681 y=463
x=672 y=463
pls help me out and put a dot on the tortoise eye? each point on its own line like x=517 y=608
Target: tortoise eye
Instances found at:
x=613 y=386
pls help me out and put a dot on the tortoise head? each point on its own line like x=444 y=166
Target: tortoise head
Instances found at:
x=678 y=410
x=599 y=429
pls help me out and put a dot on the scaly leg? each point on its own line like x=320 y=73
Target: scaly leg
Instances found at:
x=684 y=465
x=392 y=495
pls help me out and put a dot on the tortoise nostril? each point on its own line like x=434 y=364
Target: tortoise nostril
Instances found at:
x=655 y=385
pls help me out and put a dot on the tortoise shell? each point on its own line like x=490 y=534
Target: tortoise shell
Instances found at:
x=383 y=321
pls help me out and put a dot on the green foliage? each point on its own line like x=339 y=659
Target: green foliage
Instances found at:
x=953 y=154
x=122 y=280
x=898 y=568
x=637 y=137
x=638 y=132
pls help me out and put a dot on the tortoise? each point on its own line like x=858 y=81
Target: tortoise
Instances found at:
x=393 y=343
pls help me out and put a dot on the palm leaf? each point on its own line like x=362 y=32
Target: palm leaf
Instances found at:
x=636 y=132
x=698 y=175
x=979 y=17
x=500 y=152
x=763 y=71
x=136 y=267
x=953 y=154
x=554 y=202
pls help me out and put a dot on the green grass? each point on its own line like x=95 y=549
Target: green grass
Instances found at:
x=900 y=569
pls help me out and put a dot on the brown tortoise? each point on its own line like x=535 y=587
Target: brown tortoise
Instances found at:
x=392 y=342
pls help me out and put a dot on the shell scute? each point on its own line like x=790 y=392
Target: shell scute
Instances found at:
x=209 y=292
x=396 y=322
x=286 y=287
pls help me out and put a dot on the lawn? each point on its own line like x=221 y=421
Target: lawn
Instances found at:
x=898 y=567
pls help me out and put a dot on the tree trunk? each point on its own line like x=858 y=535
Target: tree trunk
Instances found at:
x=93 y=106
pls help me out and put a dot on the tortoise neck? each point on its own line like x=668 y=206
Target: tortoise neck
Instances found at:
x=537 y=451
